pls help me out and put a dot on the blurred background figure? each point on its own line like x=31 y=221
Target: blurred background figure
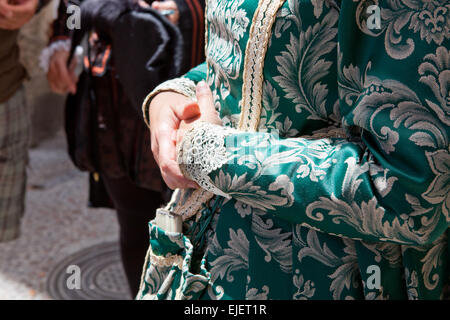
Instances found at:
x=129 y=47
x=15 y=115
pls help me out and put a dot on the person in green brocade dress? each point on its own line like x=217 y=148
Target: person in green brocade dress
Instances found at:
x=319 y=149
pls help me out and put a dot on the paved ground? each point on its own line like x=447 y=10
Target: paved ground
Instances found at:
x=57 y=224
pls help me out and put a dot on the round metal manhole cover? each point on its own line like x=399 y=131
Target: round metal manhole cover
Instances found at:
x=100 y=271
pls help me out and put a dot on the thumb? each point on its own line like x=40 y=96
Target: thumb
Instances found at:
x=187 y=111
x=204 y=97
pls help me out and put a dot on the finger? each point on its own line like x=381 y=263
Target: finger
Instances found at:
x=66 y=80
x=173 y=177
x=73 y=77
x=52 y=87
x=73 y=63
x=187 y=111
x=55 y=85
x=51 y=78
x=162 y=129
x=170 y=4
x=180 y=135
x=204 y=97
x=143 y=4
x=181 y=132
x=168 y=164
x=57 y=89
x=166 y=146
x=173 y=18
x=155 y=147
x=164 y=5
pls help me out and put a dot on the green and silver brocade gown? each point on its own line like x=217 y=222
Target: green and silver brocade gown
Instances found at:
x=333 y=161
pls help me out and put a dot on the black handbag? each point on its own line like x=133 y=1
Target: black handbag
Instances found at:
x=80 y=125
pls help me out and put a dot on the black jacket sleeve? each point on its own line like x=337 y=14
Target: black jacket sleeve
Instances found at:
x=192 y=27
x=60 y=30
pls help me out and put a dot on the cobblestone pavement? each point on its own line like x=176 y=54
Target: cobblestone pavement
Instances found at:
x=56 y=225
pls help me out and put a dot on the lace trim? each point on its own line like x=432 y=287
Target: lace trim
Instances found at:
x=255 y=54
x=47 y=53
x=168 y=261
x=202 y=151
x=193 y=203
x=182 y=86
x=156 y=260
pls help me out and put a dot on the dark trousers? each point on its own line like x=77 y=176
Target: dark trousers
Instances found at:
x=135 y=207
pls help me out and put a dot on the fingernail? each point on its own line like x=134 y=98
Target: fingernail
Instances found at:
x=202 y=86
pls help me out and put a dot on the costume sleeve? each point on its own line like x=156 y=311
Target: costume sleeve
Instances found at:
x=389 y=182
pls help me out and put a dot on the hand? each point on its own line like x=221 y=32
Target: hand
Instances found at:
x=61 y=78
x=171 y=114
x=168 y=5
x=14 y=14
x=167 y=110
x=208 y=113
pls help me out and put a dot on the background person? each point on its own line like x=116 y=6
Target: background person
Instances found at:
x=120 y=140
x=15 y=116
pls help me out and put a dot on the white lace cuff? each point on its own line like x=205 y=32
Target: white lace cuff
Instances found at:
x=47 y=53
x=182 y=86
x=202 y=151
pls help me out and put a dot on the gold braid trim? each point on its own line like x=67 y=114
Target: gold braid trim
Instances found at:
x=255 y=54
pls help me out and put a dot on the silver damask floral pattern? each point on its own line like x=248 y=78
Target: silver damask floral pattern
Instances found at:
x=349 y=169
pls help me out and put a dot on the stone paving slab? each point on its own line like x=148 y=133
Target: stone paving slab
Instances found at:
x=57 y=223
